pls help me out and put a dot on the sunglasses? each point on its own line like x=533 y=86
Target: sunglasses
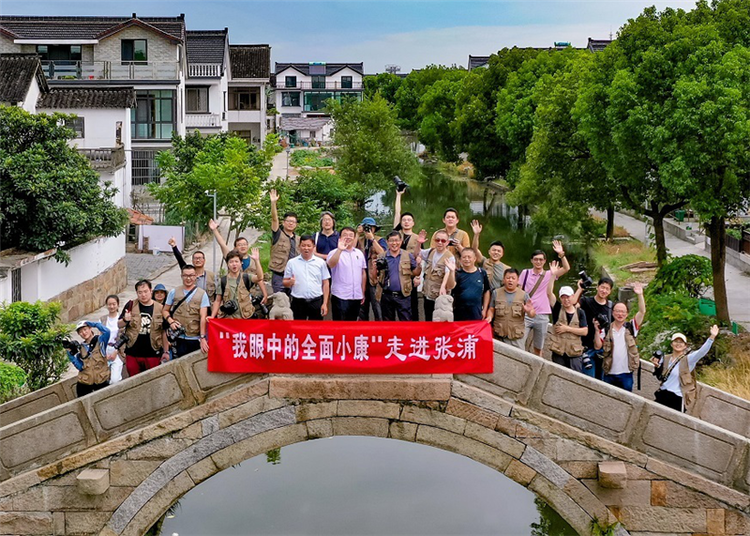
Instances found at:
x=441 y=240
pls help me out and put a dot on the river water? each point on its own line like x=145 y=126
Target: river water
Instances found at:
x=367 y=486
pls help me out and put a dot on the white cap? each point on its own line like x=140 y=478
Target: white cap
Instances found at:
x=566 y=291
x=679 y=336
x=81 y=324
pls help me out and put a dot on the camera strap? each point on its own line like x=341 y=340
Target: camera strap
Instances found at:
x=536 y=285
x=185 y=297
x=672 y=366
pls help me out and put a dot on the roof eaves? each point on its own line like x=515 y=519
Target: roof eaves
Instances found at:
x=137 y=22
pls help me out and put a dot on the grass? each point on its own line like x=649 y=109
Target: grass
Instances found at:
x=613 y=255
x=310 y=158
x=733 y=377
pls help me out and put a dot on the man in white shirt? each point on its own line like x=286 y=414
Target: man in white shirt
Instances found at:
x=308 y=277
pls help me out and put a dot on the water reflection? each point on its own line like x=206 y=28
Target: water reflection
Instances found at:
x=362 y=486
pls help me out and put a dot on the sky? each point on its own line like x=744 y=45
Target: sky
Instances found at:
x=410 y=34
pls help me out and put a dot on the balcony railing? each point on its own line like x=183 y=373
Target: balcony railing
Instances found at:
x=281 y=84
x=111 y=70
x=203 y=120
x=106 y=160
x=204 y=70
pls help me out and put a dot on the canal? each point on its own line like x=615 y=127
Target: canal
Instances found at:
x=364 y=486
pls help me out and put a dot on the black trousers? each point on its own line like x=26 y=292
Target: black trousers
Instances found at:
x=370 y=301
x=185 y=346
x=393 y=303
x=345 y=309
x=669 y=399
x=429 y=308
x=415 y=305
x=303 y=309
x=83 y=389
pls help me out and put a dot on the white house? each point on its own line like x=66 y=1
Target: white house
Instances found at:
x=302 y=90
x=249 y=83
x=206 y=84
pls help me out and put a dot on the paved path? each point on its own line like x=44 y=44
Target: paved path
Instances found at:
x=738 y=282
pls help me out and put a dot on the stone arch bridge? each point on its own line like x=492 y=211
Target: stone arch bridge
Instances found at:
x=113 y=462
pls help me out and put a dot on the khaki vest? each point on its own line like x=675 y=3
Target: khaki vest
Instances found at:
x=688 y=383
x=433 y=275
x=633 y=356
x=280 y=251
x=566 y=343
x=134 y=328
x=211 y=285
x=188 y=314
x=509 y=319
x=496 y=280
x=244 y=299
x=95 y=366
x=404 y=273
x=411 y=247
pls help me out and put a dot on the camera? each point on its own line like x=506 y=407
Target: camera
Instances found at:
x=400 y=184
x=586 y=362
x=71 y=346
x=229 y=307
x=452 y=242
x=367 y=228
x=659 y=369
x=122 y=339
x=586 y=281
x=381 y=264
x=261 y=311
x=603 y=321
x=174 y=334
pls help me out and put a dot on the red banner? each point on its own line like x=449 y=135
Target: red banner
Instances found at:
x=306 y=347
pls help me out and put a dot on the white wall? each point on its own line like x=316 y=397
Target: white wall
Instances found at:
x=336 y=77
x=100 y=125
x=5 y=289
x=47 y=278
x=32 y=95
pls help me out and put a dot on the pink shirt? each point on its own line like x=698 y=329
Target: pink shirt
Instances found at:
x=346 y=276
x=540 y=300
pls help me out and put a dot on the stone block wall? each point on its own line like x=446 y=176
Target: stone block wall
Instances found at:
x=158 y=49
x=89 y=296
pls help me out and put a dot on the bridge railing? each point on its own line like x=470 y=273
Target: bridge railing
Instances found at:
x=542 y=393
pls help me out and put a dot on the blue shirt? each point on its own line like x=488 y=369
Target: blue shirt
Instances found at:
x=325 y=244
x=308 y=276
x=394 y=281
x=102 y=341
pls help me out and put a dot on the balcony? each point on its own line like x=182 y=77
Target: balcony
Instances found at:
x=105 y=160
x=356 y=86
x=111 y=70
x=203 y=120
x=204 y=70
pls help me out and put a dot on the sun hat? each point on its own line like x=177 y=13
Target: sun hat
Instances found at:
x=81 y=324
x=566 y=291
x=679 y=336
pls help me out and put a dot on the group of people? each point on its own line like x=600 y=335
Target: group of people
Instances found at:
x=361 y=275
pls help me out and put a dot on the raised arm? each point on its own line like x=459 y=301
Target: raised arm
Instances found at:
x=219 y=239
x=641 y=314
x=449 y=279
x=176 y=252
x=333 y=260
x=274 y=196
x=476 y=230
x=700 y=353
x=563 y=267
x=397 y=209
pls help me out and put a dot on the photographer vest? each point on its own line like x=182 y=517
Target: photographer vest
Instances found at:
x=495 y=271
x=412 y=246
x=188 y=314
x=95 y=366
x=509 y=318
x=567 y=344
x=244 y=298
x=633 y=356
x=134 y=327
x=280 y=251
x=404 y=273
x=211 y=284
x=688 y=383
x=433 y=275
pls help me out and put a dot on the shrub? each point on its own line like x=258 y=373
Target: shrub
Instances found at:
x=12 y=382
x=309 y=158
x=30 y=337
x=689 y=274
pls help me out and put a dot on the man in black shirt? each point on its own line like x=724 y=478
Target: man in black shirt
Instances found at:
x=471 y=295
x=597 y=306
x=142 y=323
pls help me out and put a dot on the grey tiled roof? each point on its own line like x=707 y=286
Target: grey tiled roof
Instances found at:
x=206 y=46
x=303 y=123
x=17 y=71
x=90 y=97
x=478 y=61
x=597 y=45
x=23 y=27
x=250 y=61
x=331 y=68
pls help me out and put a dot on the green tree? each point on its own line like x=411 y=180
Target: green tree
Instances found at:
x=386 y=84
x=437 y=110
x=476 y=111
x=221 y=162
x=30 y=336
x=12 y=381
x=369 y=147
x=49 y=195
x=409 y=94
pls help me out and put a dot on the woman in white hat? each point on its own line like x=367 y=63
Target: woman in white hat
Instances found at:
x=677 y=372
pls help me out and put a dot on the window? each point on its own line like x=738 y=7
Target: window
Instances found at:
x=154 y=115
x=316 y=101
x=318 y=81
x=246 y=98
x=145 y=169
x=134 y=50
x=290 y=81
x=346 y=82
x=290 y=98
x=59 y=52
x=197 y=99
x=76 y=124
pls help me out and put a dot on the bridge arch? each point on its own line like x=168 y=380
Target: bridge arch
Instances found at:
x=293 y=421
